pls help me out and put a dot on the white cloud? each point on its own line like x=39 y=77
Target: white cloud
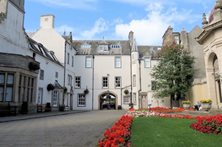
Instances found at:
x=149 y=31
x=99 y=27
x=73 y=4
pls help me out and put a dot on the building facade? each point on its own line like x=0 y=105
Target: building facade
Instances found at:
x=18 y=69
x=63 y=50
x=210 y=38
x=188 y=42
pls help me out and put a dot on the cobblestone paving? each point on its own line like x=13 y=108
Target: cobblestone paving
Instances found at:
x=73 y=130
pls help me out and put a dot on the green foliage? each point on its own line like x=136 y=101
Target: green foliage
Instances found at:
x=174 y=73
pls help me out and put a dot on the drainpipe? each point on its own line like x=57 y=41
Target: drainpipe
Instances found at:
x=93 y=73
x=64 y=82
x=140 y=97
x=131 y=87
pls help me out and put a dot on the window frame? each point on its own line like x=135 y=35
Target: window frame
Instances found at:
x=78 y=87
x=120 y=62
x=147 y=64
x=78 y=100
x=120 y=82
x=41 y=74
x=68 y=56
x=86 y=61
x=134 y=80
x=5 y=85
x=69 y=79
x=107 y=82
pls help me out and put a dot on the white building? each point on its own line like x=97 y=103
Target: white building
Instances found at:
x=18 y=69
x=26 y=66
x=62 y=47
x=99 y=73
x=104 y=68
x=50 y=77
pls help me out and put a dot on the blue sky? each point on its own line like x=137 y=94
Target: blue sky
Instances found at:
x=113 y=19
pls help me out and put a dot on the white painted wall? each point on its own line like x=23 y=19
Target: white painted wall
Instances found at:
x=50 y=68
x=48 y=36
x=146 y=79
x=12 y=36
x=104 y=66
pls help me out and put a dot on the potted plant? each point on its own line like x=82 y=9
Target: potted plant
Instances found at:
x=186 y=104
x=86 y=91
x=206 y=104
x=34 y=66
x=50 y=87
x=126 y=92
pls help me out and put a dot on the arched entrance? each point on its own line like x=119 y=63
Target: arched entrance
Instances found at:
x=107 y=101
x=214 y=78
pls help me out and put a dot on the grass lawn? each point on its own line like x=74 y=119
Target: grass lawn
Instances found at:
x=166 y=132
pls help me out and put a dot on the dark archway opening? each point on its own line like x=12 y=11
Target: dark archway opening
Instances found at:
x=107 y=101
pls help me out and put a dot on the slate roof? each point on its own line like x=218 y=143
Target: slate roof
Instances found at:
x=149 y=51
x=43 y=51
x=123 y=50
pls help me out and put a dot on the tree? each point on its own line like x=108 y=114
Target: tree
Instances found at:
x=173 y=74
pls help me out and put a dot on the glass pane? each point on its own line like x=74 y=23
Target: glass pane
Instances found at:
x=1 y=93
x=118 y=62
x=88 y=62
x=10 y=79
x=2 y=78
x=8 y=95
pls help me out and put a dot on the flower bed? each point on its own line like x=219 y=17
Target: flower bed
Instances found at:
x=208 y=124
x=165 y=115
x=118 y=134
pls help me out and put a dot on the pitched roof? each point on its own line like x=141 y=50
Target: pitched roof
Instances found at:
x=41 y=50
x=122 y=47
x=149 y=51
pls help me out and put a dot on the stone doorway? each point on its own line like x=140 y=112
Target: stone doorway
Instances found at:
x=214 y=79
x=107 y=101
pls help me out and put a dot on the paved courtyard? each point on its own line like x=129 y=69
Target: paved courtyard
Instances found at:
x=73 y=130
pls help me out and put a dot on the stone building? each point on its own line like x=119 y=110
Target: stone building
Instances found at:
x=188 y=42
x=211 y=40
x=18 y=69
x=26 y=66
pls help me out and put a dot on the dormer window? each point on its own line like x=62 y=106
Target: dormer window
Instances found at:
x=115 y=46
x=85 y=46
x=103 y=48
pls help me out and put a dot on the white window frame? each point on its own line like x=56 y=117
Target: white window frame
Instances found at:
x=55 y=98
x=69 y=80
x=72 y=61
x=134 y=98
x=5 y=85
x=68 y=56
x=78 y=82
x=40 y=95
x=41 y=74
x=118 y=81
x=147 y=62
x=134 y=80
x=88 y=62
x=126 y=100
x=81 y=100
x=118 y=62
x=105 y=82
x=56 y=75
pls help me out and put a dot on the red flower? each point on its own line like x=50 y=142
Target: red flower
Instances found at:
x=118 y=134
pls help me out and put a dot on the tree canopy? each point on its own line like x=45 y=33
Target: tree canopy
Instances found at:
x=174 y=73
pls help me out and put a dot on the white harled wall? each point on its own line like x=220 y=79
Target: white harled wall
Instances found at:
x=13 y=39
